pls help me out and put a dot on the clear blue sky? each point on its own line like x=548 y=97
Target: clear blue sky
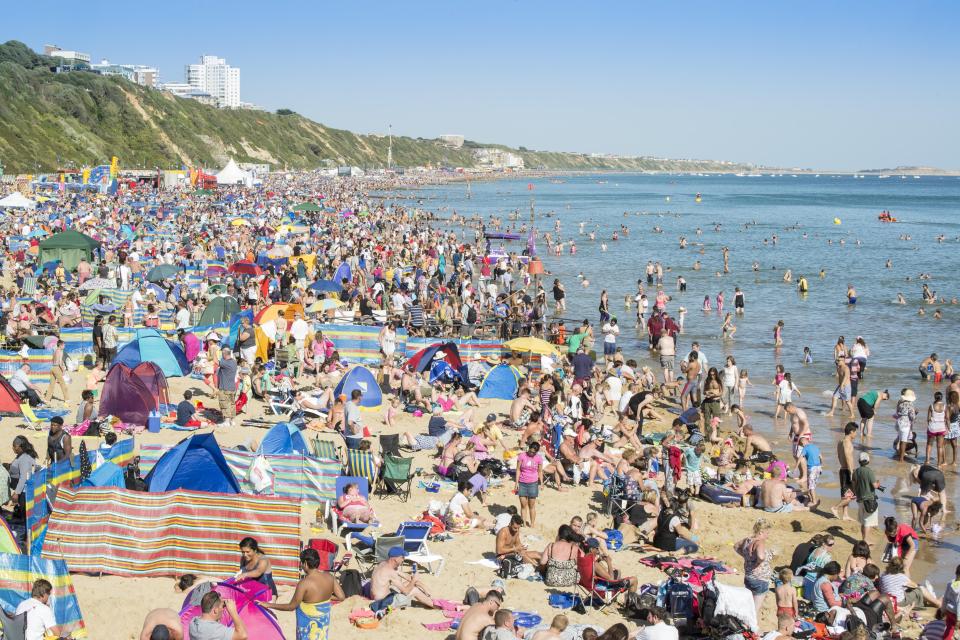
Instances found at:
x=845 y=85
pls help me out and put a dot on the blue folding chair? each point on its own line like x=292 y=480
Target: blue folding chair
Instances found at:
x=415 y=534
x=337 y=523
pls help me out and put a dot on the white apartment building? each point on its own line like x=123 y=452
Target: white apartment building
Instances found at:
x=215 y=77
x=71 y=57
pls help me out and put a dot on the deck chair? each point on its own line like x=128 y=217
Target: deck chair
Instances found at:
x=593 y=588
x=415 y=534
x=397 y=478
x=337 y=524
x=362 y=464
x=14 y=626
x=369 y=556
x=324 y=449
x=32 y=420
x=282 y=403
x=390 y=445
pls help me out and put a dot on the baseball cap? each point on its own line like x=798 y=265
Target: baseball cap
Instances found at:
x=864 y=456
x=397 y=552
x=491 y=417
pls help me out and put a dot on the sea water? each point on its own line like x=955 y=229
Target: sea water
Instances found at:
x=821 y=222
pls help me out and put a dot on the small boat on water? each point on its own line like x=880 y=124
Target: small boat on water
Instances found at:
x=886 y=217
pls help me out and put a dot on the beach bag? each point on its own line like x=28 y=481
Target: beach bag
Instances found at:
x=351 y=583
x=260 y=474
x=870 y=504
x=510 y=566
x=614 y=539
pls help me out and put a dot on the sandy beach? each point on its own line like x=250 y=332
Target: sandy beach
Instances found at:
x=102 y=598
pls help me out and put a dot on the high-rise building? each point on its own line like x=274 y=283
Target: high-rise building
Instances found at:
x=214 y=76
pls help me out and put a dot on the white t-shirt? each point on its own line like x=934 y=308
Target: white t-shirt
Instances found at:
x=615 y=392
x=39 y=619
x=183 y=318
x=610 y=332
x=299 y=330
x=786 y=391
x=659 y=631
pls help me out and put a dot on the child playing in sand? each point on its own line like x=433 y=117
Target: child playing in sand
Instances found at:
x=590 y=528
x=393 y=410
x=786 y=594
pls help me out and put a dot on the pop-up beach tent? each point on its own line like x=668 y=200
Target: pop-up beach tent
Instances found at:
x=150 y=346
x=69 y=247
x=220 y=309
x=363 y=379
x=423 y=360
x=131 y=393
x=197 y=464
x=9 y=399
x=284 y=439
x=500 y=382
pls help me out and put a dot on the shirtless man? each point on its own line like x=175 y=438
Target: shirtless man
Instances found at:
x=753 y=442
x=777 y=497
x=388 y=587
x=521 y=409
x=479 y=616
x=311 y=599
x=843 y=394
x=845 y=456
x=509 y=544
x=557 y=627
x=166 y=618
x=799 y=425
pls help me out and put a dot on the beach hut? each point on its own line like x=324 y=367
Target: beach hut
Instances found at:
x=9 y=399
x=150 y=346
x=500 y=382
x=220 y=309
x=69 y=247
x=132 y=393
x=196 y=464
x=363 y=379
x=284 y=439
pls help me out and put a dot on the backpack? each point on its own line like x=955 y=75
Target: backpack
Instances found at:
x=637 y=605
x=14 y=627
x=351 y=583
x=510 y=566
x=679 y=602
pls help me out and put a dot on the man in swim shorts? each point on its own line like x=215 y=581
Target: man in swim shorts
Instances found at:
x=311 y=599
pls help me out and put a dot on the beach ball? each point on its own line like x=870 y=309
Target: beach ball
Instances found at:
x=836 y=221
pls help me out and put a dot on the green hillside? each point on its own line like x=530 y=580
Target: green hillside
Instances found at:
x=82 y=118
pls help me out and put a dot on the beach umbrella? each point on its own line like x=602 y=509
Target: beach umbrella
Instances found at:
x=203 y=192
x=530 y=344
x=97 y=283
x=215 y=270
x=326 y=285
x=246 y=268
x=325 y=305
x=240 y=222
x=159 y=293
x=161 y=272
x=307 y=206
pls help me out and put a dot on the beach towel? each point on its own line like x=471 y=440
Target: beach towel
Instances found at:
x=313 y=621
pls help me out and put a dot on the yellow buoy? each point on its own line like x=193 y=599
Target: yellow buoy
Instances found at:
x=836 y=221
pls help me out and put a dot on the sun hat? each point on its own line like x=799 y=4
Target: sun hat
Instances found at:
x=908 y=395
x=864 y=457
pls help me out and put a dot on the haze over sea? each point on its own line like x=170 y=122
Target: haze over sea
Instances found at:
x=800 y=211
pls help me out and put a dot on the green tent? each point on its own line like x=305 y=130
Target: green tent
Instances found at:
x=69 y=247
x=307 y=206
x=219 y=310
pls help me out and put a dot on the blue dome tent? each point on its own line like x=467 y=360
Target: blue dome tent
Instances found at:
x=284 y=439
x=197 y=464
x=361 y=378
x=150 y=346
x=500 y=382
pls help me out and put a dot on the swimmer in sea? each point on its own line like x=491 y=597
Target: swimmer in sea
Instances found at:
x=603 y=246
x=889 y=263
x=585 y=283
x=788 y=276
x=823 y=273
x=851 y=295
x=901 y=299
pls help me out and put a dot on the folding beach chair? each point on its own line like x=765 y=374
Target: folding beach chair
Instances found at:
x=595 y=589
x=397 y=478
x=415 y=534
x=370 y=556
x=362 y=464
x=337 y=524
x=325 y=450
x=32 y=420
x=390 y=445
